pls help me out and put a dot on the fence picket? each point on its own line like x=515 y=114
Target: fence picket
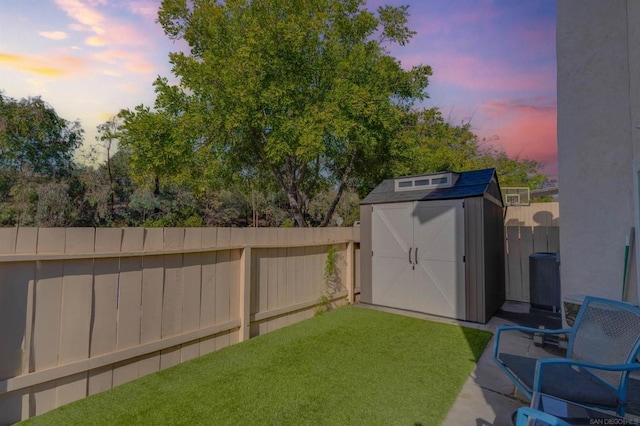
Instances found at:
x=224 y=297
x=514 y=289
x=89 y=309
x=104 y=325
x=192 y=287
x=46 y=323
x=152 y=289
x=75 y=318
x=532 y=239
x=208 y=289
x=16 y=292
x=172 y=294
x=554 y=239
x=540 y=244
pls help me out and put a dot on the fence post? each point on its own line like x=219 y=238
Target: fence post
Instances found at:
x=350 y=281
x=245 y=293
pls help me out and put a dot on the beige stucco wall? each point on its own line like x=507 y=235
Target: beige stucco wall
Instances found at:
x=598 y=108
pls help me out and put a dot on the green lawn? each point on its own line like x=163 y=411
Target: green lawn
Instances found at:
x=349 y=366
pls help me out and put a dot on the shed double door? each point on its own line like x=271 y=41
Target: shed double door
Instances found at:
x=418 y=257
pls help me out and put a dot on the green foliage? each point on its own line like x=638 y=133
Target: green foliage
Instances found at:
x=92 y=195
x=514 y=171
x=34 y=138
x=430 y=144
x=157 y=150
x=545 y=199
x=109 y=134
x=323 y=305
x=24 y=198
x=329 y=276
x=7 y=214
x=348 y=208
x=296 y=93
x=288 y=223
x=330 y=264
x=227 y=207
x=394 y=20
x=120 y=179
x=143 y=203
x=54 y=205
x=173 y=206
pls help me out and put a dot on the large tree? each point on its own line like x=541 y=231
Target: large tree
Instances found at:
x=303 y=94
x=33 y=138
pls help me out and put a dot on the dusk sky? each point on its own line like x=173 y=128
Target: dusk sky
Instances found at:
x=493 y=62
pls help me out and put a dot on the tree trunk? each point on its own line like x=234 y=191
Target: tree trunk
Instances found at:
x=111 y=184
x=292 y=192
x=292 y=195
x=253 y=209
x=295 y=206
x=343 y=183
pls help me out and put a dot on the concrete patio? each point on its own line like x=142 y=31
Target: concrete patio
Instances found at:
x=488 y=397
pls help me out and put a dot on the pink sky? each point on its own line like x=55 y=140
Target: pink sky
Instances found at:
x=493 y=61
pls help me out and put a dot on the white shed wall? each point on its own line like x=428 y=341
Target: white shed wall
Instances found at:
x=598 y=109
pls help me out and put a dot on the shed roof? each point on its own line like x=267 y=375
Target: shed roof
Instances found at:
x=469 y=184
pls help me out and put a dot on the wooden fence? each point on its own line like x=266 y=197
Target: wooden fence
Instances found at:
x=84 y=309
x=529 y=229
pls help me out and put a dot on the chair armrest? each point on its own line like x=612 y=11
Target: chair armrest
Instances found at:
x=533 y=330
x=526 y=412
x=541 y=363
x=499 y=331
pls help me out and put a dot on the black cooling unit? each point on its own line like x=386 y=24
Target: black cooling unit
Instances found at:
x=544 y=281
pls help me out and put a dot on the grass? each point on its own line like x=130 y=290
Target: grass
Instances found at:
x=349 y=366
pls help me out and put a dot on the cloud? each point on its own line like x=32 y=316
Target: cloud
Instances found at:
x=122 y=34
x=53 y=67
x=483 y=45
x=107 y=28
x=104 y=116
x=127 y=60
x=140 y=67
x=95 y=41
x=36 y=82
x=118 y=41
x=79 y=27
x=128 y=87
x=113 y=56
x=537 y=104
x=480 y=73
x=53 y=35
x=146 y=8
x=112 y=73
x=524 y=128
x=85 y=15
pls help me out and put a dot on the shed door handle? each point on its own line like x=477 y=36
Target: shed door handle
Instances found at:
x=416 y=255
x=410 y=256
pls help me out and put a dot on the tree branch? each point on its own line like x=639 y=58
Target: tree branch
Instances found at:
x=343 y=183
x=290 y=189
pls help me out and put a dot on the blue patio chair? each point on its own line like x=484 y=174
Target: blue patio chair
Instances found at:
x=602 y=350
x=525 y=414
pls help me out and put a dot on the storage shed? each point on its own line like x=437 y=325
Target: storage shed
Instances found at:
x=436 y=244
